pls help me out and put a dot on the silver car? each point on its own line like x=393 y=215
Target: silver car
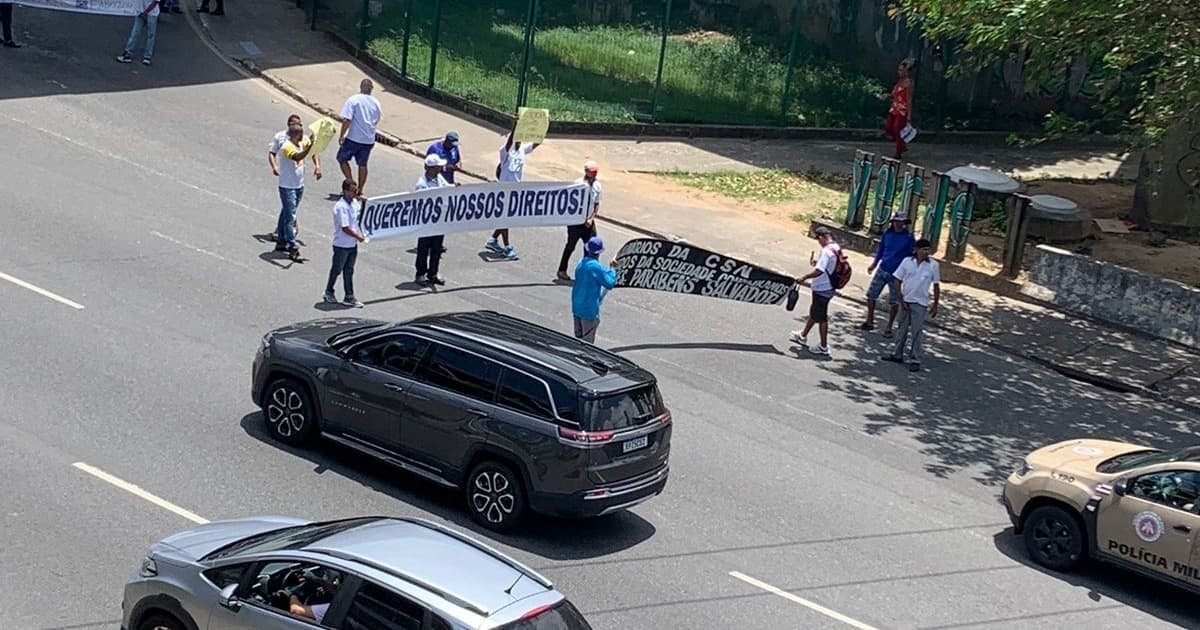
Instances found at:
x=366 y=573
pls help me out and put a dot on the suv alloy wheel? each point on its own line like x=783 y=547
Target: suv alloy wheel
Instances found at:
x=495 y=496
x=289 y=411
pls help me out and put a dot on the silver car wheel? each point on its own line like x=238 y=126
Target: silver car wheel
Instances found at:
x=493 y=497
x=286 y=411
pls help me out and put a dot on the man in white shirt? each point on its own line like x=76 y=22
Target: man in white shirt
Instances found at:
x=295 y=149
x=586 y=230
x=916 y=277
x=144 y=22
x=822 y=292
x=510 y=169
x=429 y=248
x=360 y=118
x=272 y=150
x=346 y=237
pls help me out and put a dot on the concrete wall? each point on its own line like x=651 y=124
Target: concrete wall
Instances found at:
x=1168 y=188
x=1162 y=308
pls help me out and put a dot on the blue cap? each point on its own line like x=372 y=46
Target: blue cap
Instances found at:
x=593 y=246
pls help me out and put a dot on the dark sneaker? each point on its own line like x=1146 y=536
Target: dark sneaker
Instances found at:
x=437 y=280
x=420 y=279
x=145 y=61
x=294 y=254
x=124 y=59
x=8 y=43
x=329 y=298
x=914 y=367
x=562 y=275
x=891 y=358
x=352 y=303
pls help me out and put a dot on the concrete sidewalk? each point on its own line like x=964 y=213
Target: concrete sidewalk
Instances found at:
x=271 y=39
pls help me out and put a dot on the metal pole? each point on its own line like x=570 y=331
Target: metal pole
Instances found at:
x=1014 y=240
x=362 y=25
x=662 y=55
x=407 y=33
x=787 y=79
x=525 y=53
x=433 y=42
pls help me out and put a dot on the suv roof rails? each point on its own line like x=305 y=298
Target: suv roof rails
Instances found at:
x=511 y=562
x=457 y=600
x=492 y=344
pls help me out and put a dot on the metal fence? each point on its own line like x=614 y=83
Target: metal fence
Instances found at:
x=682 y=61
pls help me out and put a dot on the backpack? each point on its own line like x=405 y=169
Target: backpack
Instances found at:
x=840 y=276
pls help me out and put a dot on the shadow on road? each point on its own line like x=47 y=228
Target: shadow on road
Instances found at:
x=1168 y=603
x=553 y=538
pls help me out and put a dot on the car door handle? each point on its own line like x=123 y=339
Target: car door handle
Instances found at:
x=393 y=387
x=1183 y=529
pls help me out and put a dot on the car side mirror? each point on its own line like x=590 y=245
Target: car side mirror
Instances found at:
x=1121 y=487
x=228 y=599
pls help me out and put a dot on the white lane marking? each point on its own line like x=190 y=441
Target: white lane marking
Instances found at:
x=200 y=250
x=832 y=614
x=136 y=491
x=40 y=291
x=155 y=172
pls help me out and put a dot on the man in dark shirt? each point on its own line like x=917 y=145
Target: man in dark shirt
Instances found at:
x=896 y=244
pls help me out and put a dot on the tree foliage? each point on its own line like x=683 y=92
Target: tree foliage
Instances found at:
x=1155 y=44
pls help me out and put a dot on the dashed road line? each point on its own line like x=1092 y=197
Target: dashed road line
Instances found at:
x=200 y=250
x=138 y=492
x=40 y=291
x=774 y=590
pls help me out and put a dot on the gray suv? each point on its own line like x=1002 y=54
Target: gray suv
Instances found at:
x=364 y=573
x=514 y=415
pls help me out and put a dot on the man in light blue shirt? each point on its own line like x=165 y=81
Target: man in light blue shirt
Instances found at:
x=593 y=280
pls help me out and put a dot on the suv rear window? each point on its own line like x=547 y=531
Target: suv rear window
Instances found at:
x=623 y=410
x=563 y=616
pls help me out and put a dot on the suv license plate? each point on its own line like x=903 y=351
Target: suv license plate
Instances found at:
x=635 y=444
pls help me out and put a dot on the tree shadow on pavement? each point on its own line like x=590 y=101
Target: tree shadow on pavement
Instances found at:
x=554 y=538
x=1169 y=603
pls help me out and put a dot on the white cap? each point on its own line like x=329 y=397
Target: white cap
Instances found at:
x=434 y=159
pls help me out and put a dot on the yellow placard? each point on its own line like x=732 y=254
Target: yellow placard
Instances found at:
x=322 y=130
x=532 y=125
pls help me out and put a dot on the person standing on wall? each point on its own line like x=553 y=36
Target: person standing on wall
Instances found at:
x=822 y=286
x=295 y=150
x=510 y=169
x=346 y=237
x=586 y=230
x=429 y=248
x=6 y=16
x=901 y=112
x=896 y=244
x=593 y=280
x=360 y=118
x=916 y=277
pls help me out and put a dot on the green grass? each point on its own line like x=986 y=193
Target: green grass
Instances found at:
x=606 y=73
x=814 y=195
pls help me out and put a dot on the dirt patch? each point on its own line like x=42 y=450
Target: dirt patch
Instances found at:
x=701 y=37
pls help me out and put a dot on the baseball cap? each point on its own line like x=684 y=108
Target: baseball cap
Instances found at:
x=452 y=136
x=593 y=246
x=591 y=166
x=900 y=216
x=434 y=159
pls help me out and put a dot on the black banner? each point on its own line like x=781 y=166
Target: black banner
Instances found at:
x=647 y=263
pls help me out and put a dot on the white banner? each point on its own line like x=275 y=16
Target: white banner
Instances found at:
x=475 y=207
x=103 y=7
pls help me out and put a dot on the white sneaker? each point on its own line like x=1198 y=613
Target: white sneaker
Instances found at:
x=798 y=337
x=494 y=246
x=819 y=350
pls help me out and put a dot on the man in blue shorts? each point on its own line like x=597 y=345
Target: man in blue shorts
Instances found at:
x=360 y=118
x=896 y=244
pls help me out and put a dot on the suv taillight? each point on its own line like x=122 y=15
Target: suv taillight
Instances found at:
x=585 y=437
x=540 y=610
x=665 y=418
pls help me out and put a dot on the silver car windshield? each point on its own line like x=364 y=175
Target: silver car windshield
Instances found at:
x=287 y=538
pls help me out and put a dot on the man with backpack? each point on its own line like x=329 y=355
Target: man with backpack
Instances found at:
x=831 y=271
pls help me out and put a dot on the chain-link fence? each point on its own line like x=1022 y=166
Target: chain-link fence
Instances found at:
x=665 y=61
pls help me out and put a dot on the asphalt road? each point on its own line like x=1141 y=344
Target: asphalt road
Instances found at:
x=843 y=491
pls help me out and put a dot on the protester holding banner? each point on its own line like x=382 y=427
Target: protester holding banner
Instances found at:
x=447 y=148
x=429 y=248
x=6 y=17
x=346 y=237
x=360 y=117
x=510 y=169
x=295 y=150
x=586 y=230
x=593 y=280
x=822 y=292
x=146 y=23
